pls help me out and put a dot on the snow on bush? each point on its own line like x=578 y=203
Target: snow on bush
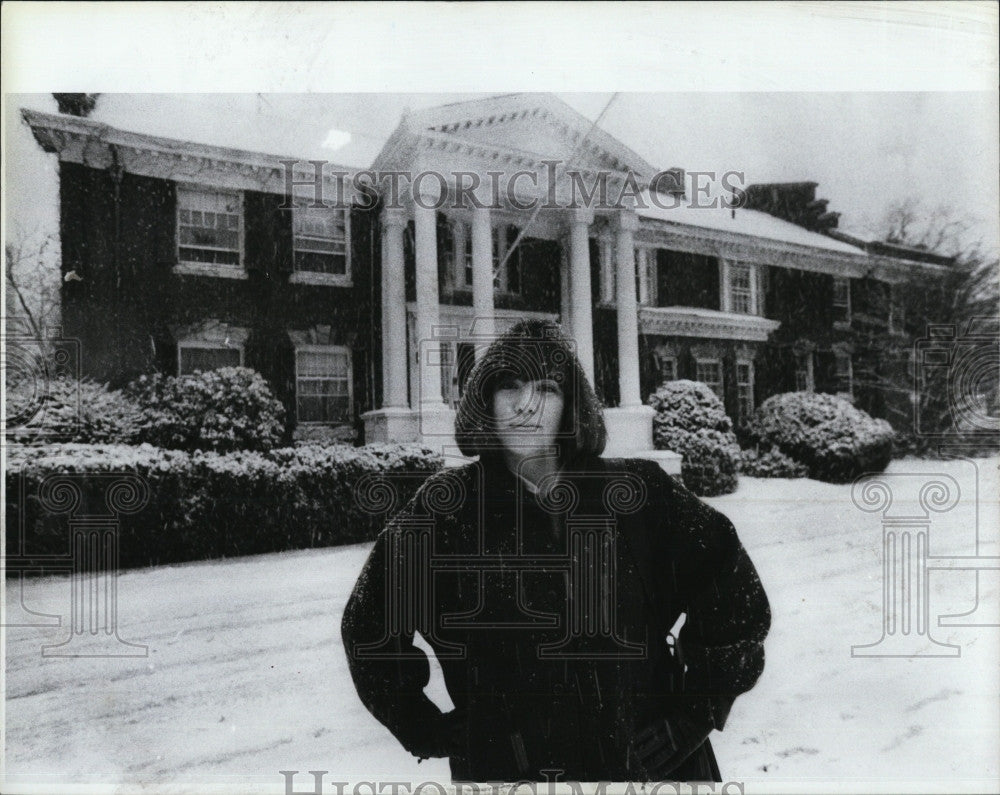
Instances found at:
x=72 y=410
x=690 y=420
x=204 y=504
x=834 y=440
x=231 y=408
x=770 y=464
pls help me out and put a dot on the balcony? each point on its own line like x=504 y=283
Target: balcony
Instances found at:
x=683 y=321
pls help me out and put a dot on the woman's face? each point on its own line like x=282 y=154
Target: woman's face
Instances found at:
x=527 y=414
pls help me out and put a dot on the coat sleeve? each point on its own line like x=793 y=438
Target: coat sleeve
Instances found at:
x=389 y=672
x=720 y=647
x=721 y=643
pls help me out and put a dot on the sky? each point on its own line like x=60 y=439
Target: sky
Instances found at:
x=867 y=150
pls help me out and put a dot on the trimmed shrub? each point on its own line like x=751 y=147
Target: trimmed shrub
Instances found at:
x=71 y=410
x=690 y=420
x=204 y=504
x=834 y=440
x=770 y=464
x=231 y=408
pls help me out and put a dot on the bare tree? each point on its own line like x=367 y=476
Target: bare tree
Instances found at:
x=974 y=280
x=967 y=293
x=33 y=283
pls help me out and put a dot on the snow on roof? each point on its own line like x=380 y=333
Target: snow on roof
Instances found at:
x=741 y=222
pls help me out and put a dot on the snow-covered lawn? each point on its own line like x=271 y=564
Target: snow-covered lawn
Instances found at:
x=246 y=674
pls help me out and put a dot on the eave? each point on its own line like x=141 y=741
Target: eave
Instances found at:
x=97 y=145
x=765 y=251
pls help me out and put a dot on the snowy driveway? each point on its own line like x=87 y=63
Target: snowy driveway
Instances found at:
x=246 y=675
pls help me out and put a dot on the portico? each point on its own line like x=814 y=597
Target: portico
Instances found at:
x=427 y=341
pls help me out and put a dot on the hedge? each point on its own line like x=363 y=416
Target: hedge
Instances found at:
x=834 y=440
x=227 y=409
x=70 y=410
x=208 y=505
x=770 y=464
x=691 y=420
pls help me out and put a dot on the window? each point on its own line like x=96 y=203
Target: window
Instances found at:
x=506 y=260
x=668 y=368
x=804 y=372
x=322 y=240
x=744 y=389
x=194 y=356
x=467 y=256
x=709 y=372
x=742 y=294
x=209 y=227
x=323 y=384
x=841 y=299
x=844 y=372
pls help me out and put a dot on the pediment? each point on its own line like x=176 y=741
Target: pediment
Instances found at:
x=538 y=125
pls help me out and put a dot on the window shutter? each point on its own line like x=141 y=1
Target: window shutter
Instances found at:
x=268 y=233
x=164 y=198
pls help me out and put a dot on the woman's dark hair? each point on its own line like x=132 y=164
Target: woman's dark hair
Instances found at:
x=531 y=350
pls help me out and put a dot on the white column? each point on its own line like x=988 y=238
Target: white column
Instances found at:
x=608 y=267
x=482 y=276
x=428 y=317
x=393 y=310
x=579 y=265
x=394 y=421
x=628 y=322
x=630 y=424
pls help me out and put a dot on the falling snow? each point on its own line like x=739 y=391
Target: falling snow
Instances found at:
x=246 y=675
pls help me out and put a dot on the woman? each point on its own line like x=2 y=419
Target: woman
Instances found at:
x=550 y=583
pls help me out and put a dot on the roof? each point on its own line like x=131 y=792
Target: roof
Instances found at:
x=50 y=130
x=876 y=244
x=537 y=123
x=752 y=223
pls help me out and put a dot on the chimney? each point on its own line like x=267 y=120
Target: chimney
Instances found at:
x=669 y=182
x=791 y=201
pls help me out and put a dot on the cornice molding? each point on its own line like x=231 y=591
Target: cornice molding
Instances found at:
x=765 y=251
x=545 y=109
x=97 y=145
x=748 y=248
x=672 y=321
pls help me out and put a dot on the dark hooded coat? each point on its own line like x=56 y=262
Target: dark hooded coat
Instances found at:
x=553 y=616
